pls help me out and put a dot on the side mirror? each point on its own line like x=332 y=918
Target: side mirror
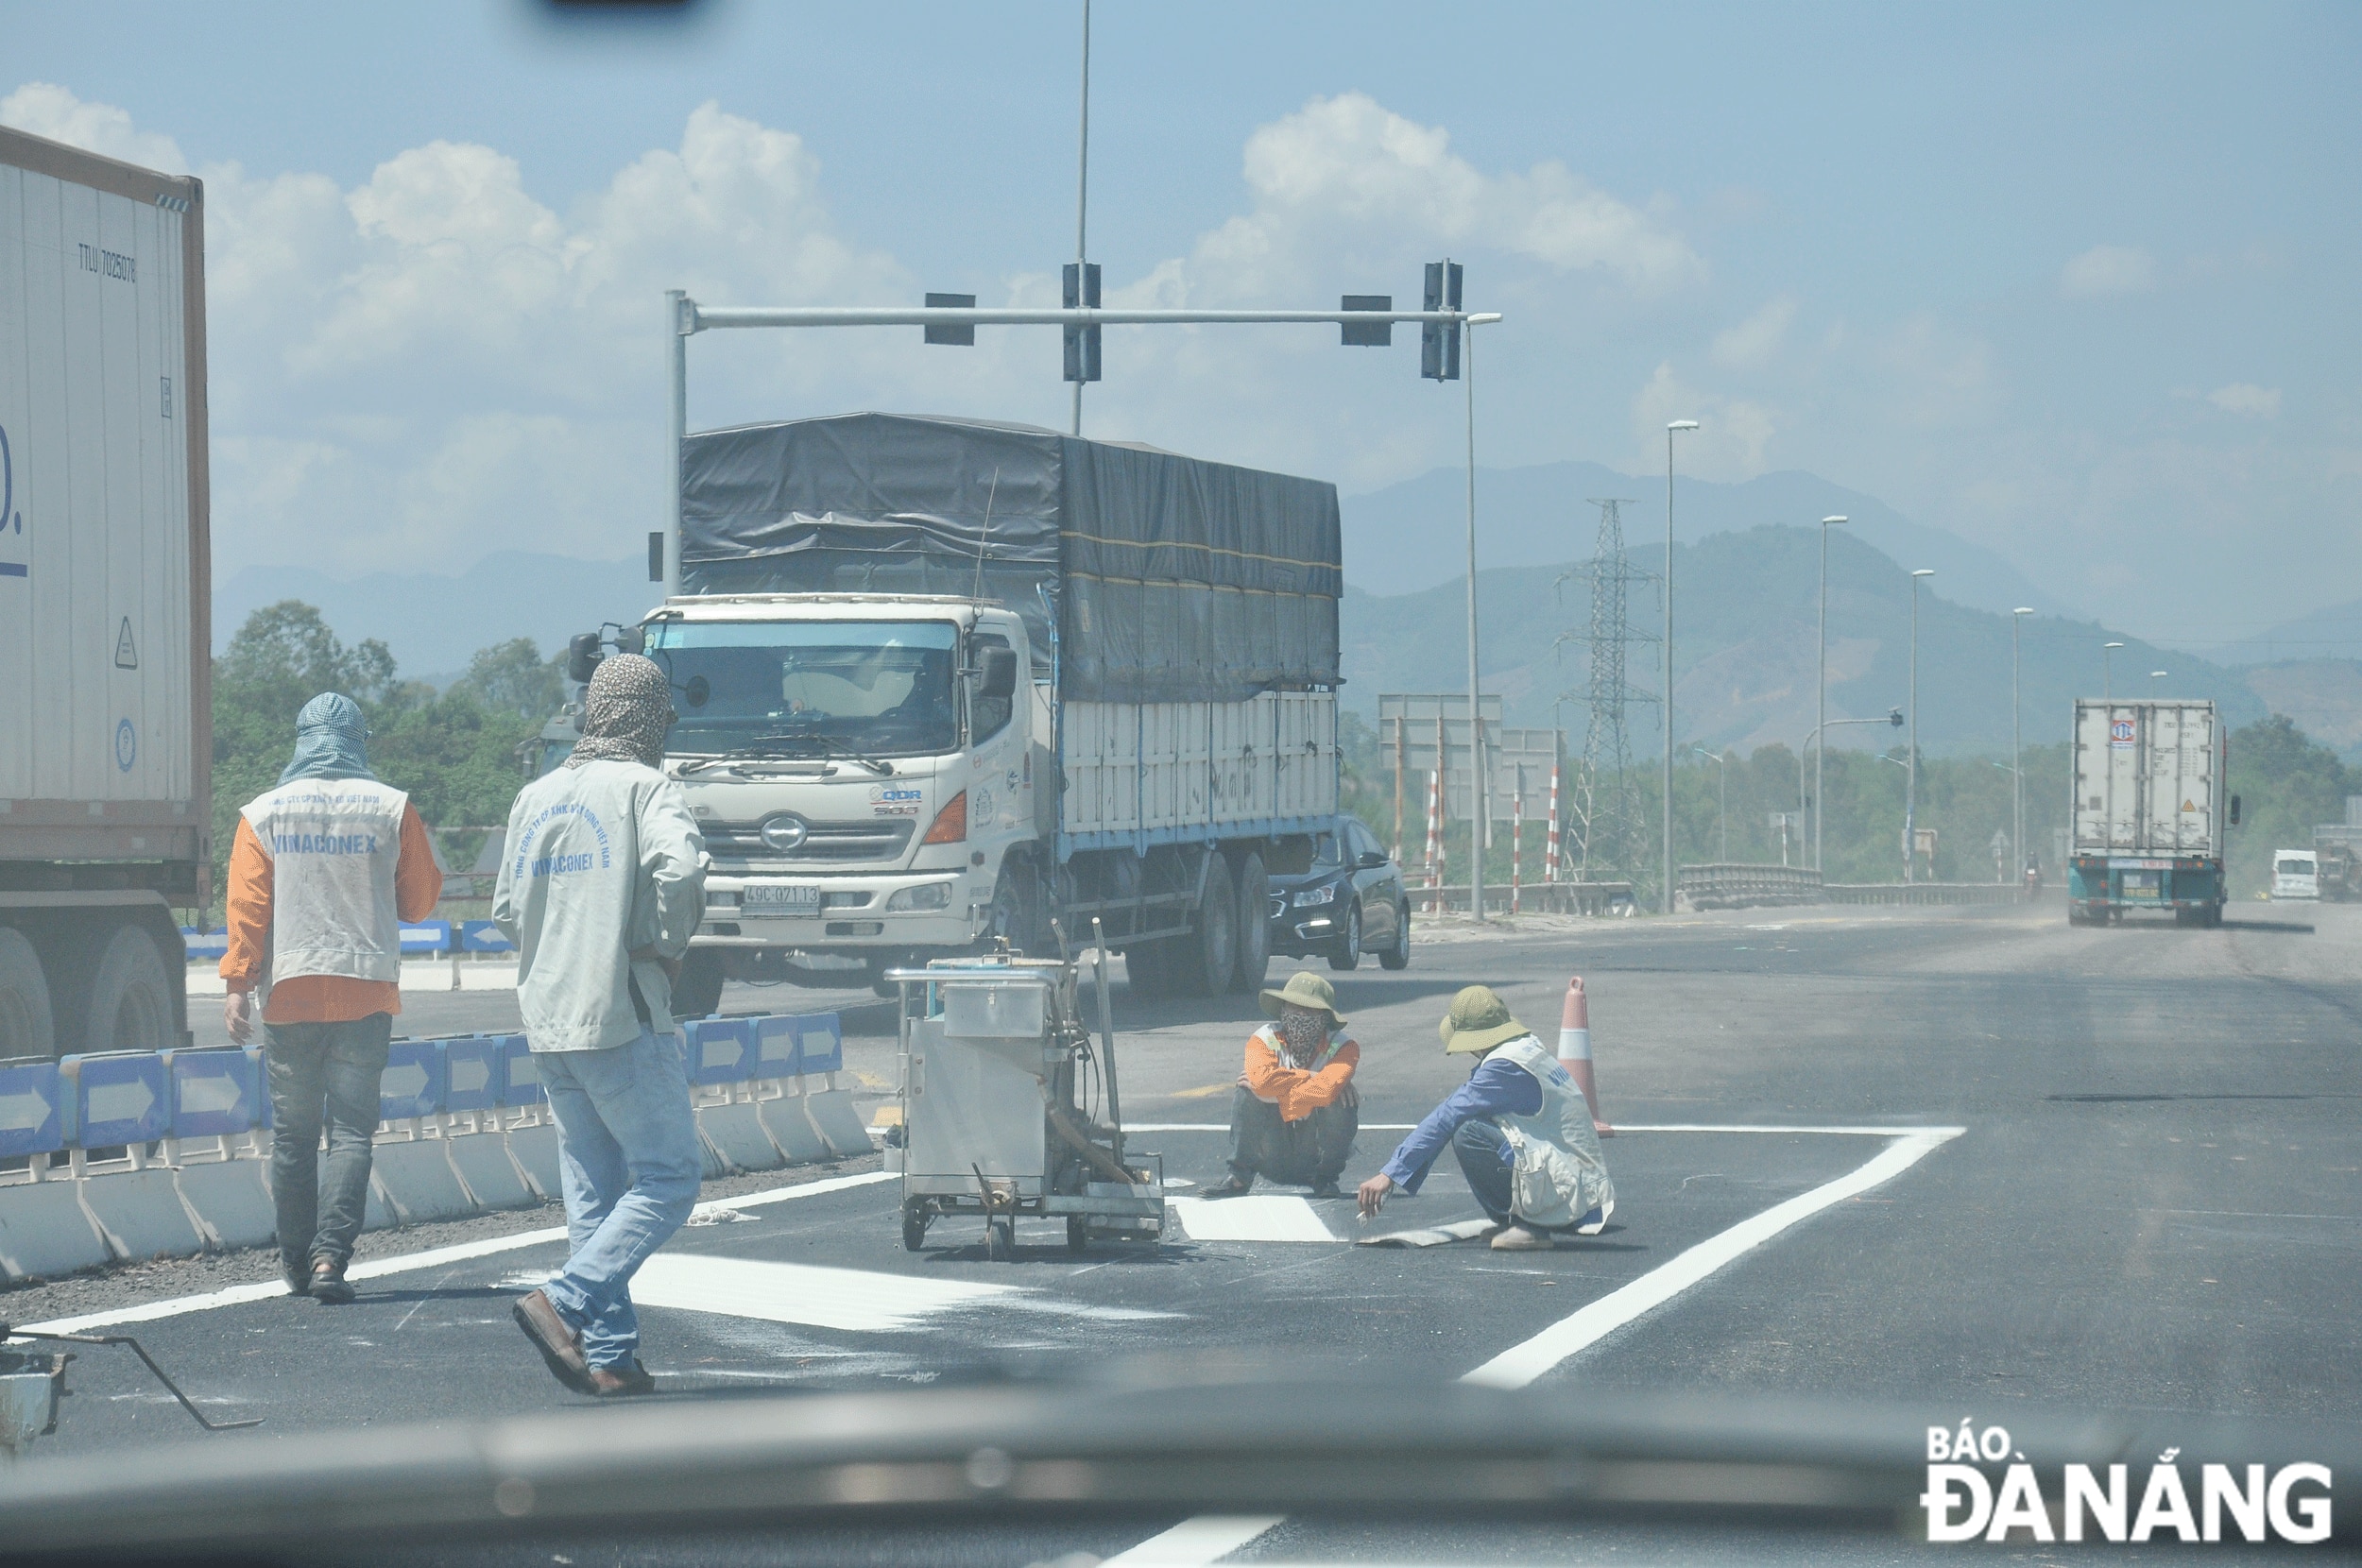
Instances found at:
x=1371 y=860
x=999 y=674
x=582 y=657
x=2234 y=810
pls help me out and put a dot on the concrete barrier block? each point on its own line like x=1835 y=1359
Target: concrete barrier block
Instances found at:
x=735 y=1131
x=231 y=1200
x=535 y=1149
x=492 y=1178
x=486 y=977
x=140 y=1214
x=44 y=1230
x=784 y=1119
x=833 y=1113
x=417 y=1183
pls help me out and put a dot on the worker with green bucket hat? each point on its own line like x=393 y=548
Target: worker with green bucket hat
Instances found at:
x=1520 y=1127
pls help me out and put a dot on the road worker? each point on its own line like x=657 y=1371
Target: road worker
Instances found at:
x=322 y=872
x=1295 y=1111
x=1520 y=1127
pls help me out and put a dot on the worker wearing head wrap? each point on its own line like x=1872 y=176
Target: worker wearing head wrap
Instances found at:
x=600 y=885
x=323 y=871
x=1295 y=1111
x=1520 y=1127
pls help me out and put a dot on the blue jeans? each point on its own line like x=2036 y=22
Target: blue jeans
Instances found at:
x=322 y=1074
x=629 y=1157
x=1485 y=1159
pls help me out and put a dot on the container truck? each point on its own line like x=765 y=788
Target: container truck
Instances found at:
x=105 y=736
x=2337 y=854
x=2147 y=812
x=942 y=683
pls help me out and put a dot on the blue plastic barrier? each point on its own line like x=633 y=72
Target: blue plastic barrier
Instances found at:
x=474 y=1068
x=520 y=1084
x=426 y=936
x=212 y=944
x=820 y=1043
x=414 y=1083
x=719 y=1051
x=775 y=1051
x=32 y=1109
x=214 y=1092
x=482 y=936
x=118 y=1098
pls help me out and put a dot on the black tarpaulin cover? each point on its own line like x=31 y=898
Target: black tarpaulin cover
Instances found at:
x=1176 y=580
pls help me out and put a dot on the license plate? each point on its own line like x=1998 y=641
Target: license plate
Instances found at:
x=778 y=900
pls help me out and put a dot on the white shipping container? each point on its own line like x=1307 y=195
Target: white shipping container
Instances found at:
x=104 y=734
x=2148 y=777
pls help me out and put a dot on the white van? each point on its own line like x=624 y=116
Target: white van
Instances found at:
x=2295 y=873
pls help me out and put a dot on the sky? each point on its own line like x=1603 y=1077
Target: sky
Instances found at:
x=2074 y=282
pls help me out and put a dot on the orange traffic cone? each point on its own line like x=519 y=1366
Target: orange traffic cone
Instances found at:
x=1574 y=1050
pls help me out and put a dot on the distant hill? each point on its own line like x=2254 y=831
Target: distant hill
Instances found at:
x=1744 y=651
x=1414 y=534
x=2333 y=632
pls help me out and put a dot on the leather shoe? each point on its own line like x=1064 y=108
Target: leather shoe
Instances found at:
x=327 y=1283
x=559 y=1341
x=622 y=1379
x=298 y=1275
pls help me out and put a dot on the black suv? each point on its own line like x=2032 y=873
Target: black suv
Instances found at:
x=1350 y=903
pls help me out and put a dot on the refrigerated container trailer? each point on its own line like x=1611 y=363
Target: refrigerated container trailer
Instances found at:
x=2148 y=810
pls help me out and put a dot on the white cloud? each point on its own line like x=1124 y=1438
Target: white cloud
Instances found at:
x=2243 y=396
x=1729 y=443
x=1752 y=343
x=2107 y=269
x=47 y=109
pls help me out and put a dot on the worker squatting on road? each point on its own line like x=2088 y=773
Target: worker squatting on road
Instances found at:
x=323 y=870
x=600 y=887
x=1520 y=1127
x=1295 y=1111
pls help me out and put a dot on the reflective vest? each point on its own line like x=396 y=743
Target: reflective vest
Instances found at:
x=1558 y=1174
x=333 y=845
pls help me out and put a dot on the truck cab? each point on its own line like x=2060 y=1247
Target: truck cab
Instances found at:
x=2295 y=873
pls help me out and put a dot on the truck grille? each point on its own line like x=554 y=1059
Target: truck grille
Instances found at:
x=827 y=843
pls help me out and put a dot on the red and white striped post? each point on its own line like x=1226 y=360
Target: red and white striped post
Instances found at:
x=1516 y=847
x=1434 y=837
x=1550 y=845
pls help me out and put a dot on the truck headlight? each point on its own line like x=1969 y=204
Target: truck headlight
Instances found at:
x=1309 y=898
x=932 y=896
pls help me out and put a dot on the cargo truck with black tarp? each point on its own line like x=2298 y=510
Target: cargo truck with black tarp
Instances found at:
x=105 y=735
x=942 y=682
x=2148 y=811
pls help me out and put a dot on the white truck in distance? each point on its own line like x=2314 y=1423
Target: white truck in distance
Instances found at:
x=889 y=765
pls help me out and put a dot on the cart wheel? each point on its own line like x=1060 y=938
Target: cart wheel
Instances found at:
x=913 y=1227
x=999 y=1240
x=1078 y=1234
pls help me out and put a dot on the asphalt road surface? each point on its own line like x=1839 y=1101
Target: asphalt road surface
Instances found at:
x=1971 y=1156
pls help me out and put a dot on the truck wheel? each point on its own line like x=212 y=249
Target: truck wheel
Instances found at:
x=699 y=992
x=1253 y=959
x=25 y=1026
x=1348 y=953
x=1211 y=952
x=129 y=1007
x=1015 y=911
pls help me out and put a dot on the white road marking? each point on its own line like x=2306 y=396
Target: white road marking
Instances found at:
x=1194 y=1542
x=1521 y=1364
x=434 y=1257
x=855 y=1300
x=1254 y=1218
x=1459 y=1230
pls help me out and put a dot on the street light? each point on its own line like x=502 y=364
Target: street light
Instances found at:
x=2017 y=742
x=1725 y=819
x=1478 y=840
x=1817 y=742
x=1910 y=788
x=2107 y=672
x=1670 y=429
x=1821 y=717
x=2154 y=676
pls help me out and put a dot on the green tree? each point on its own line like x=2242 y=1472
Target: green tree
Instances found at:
x=2288 y=784
x=512 y=677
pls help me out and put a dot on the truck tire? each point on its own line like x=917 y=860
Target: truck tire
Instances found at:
x=1253 y=941
x=1209 y=954
x=1016 y=910
x=699 y=991
x=26 y=1028
x=130 y=1008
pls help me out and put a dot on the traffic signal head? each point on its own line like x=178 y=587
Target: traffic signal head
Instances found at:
x=1439 y=344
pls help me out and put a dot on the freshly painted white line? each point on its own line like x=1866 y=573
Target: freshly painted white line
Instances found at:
x=855 y=1300
x=1459 y=1230
x=1521 y=1364
x=1194 y=1542
x=434 y=1257
x=1254 y=1218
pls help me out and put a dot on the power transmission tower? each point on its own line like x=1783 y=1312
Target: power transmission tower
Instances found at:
x=1603 y=814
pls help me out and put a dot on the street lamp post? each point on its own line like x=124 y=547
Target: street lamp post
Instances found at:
x=1668 y=803
x=1724 y=819
x=1818 y=738
x=1480 y=796
x=1821 y=717
x=1910 y=786
x=2154 y=676
x=2107 y=672
x=2017 y=742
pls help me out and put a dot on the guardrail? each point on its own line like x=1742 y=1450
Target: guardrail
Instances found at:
x=1731 y=886
x=1596 y=898
x=1924 y=893
x=131 y=1154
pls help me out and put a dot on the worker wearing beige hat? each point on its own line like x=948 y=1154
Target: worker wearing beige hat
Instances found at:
x=1295 y=1111
x=1520 y=1127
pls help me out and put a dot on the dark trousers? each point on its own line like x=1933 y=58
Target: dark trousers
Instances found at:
x=1484 y=1160
x=1311 y=1153
x=323 y=1075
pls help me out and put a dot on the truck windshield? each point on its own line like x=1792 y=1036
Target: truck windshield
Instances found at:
x=869 y=688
